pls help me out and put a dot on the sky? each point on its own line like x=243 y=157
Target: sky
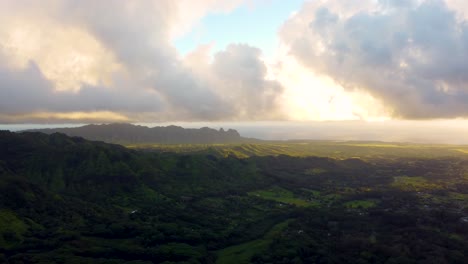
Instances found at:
x=256 y=25
x=234 y=61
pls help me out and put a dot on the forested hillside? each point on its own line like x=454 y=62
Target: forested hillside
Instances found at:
x=68 y=200
x=134 y=134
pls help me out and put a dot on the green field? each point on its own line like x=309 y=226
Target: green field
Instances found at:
x=335 y=149
x=361 y=204
x=282 y=196
x=241 y=254
x=414 y=184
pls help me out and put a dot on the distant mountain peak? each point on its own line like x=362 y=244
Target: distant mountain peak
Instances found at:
x=125 y=133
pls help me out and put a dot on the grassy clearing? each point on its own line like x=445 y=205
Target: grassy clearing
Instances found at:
x=464 y=151
x=341 y=150
x=414 y=184
x=383 y=145
x=361 y=204
x=11 y=229
x=280 y=195
x=319 y=199
x=242 y=253
x=458 y=196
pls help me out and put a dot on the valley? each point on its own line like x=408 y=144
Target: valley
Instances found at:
x=69 y=200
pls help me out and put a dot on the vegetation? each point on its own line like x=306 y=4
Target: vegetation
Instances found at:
x=332 y=149
x=122 y=133
x=244 y=252
x=280 y=195
x=68 y=200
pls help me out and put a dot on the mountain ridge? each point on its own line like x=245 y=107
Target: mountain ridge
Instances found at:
x=125 y=133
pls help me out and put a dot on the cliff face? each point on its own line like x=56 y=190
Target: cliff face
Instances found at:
x=128 y=133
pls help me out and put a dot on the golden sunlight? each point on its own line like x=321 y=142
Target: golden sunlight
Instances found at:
x=67 y=56
x=309 y=96
x=94 y=116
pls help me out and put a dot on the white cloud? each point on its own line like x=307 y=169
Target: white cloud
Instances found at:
x=68 y=56
x=312 y=96
x=346 y=60
x=460 y=7
x=408 y=54
x=88 y=56
x=190 y=12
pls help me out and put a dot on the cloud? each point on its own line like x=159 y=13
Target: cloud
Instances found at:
x=409 y=54
x=27 y=90
x=114 y=56
x=114 y=60
x=312 y=96
x=241 y=75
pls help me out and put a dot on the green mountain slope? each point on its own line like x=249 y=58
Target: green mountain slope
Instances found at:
x=68 y=200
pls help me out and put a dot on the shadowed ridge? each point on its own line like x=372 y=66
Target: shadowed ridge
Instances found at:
x=125 y=133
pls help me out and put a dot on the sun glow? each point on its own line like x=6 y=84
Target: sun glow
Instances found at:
x=94 y=116
x=309 y=96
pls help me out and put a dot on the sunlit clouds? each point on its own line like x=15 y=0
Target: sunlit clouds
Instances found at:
x=310 y=96
x=91 y=117
x=111 y=61
x=407 y=54
x=67 y=56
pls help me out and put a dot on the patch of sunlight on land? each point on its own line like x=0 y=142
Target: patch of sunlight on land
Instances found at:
x=380 y=145
x=414 y=184
x=459 y=196
x=281 y=195
x=332 y=149
x=242 y=253
x=464 y=151
x=320 y=199
x=11 y=229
